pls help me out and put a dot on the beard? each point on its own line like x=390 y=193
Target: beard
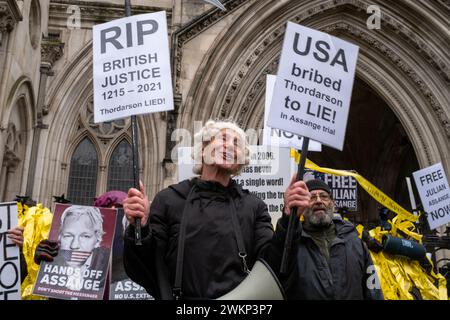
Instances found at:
x=319 y=219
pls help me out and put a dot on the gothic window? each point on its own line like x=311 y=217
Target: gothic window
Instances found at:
x=99 y=163
x=83 y=174
x=120 y=172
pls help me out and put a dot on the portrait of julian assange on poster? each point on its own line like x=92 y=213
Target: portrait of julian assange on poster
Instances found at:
x=79 y=271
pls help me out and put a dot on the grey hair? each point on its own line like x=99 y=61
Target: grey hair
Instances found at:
x=92 y=213
x=204 y=136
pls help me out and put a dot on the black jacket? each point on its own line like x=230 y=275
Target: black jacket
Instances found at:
x=348 y=276
x=211 y=266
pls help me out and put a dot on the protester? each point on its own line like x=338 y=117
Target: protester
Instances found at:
x=199 y=211
x=327 y=261
x=114 y=199
x=36 y=221
x=110 y=199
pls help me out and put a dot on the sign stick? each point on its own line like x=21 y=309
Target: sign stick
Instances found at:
x=134 y=147
x=290 y=231
x=411 y=196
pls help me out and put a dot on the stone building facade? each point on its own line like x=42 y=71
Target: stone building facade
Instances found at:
x=49 y=145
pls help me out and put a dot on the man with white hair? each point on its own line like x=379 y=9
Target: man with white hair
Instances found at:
x=200 y=236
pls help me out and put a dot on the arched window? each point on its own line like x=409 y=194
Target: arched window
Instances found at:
x=83 y=174
x=120 y=172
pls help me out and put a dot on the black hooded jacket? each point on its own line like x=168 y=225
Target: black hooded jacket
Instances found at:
x=211 y=266
x=349 y=275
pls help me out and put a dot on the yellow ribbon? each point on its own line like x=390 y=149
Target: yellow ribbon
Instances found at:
x=406 y=227
x=376 y=193
x=397 y=274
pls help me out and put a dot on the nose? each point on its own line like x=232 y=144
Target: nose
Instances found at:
x=225 y=142
x=75 y=244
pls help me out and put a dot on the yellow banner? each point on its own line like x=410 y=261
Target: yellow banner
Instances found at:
x=376 y=193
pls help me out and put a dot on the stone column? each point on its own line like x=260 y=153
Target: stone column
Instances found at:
x=171 y=122
x=51 y=51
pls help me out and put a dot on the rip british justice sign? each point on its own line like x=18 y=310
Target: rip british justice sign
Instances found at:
x=131 y=67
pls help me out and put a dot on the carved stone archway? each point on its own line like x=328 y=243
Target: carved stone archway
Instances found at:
x=16 y=129
x=396 y=63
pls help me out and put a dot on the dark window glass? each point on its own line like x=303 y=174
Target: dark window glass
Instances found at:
x=120 y=169
x=83 y=174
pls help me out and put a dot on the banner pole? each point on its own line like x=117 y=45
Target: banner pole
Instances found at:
x=134 y=147
x=293 y=216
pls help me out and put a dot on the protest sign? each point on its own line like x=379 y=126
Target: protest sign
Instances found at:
x=79 y=271
x=9 y=254
x=434 y=191
x=131 y=67
x=313 y=85
x=122 y=287
x=344 y=189
x=276 y=137
x=267 y=176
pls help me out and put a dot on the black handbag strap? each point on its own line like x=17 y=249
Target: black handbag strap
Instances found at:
x=239 y=238
x=176 y=290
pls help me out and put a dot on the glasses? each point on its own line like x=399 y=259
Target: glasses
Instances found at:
x=322 y=196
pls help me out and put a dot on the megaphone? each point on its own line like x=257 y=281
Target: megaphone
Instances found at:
x=260 y=284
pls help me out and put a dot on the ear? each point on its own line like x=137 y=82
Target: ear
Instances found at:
x=333 y=203
x=99 y=240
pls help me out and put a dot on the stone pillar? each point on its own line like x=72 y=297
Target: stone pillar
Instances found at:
x=51 y=51
x=171 y=122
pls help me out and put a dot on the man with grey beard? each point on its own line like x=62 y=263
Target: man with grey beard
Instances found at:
x=327 y=260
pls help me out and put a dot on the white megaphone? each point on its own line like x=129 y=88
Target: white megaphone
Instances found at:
x=260 y=284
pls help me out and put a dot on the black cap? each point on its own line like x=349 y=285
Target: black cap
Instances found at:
x=317 y=184
x=25 y=200
x=61 y=199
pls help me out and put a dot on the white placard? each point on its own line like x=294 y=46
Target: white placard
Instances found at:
x=344 y=189
x=314 y=85
x=9 y=254
x=267 y=176
x=131 y=67
x=277 y=137
x=434 y=192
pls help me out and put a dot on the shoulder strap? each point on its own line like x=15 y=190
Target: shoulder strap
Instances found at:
x=239 y=238
x=176 y=290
